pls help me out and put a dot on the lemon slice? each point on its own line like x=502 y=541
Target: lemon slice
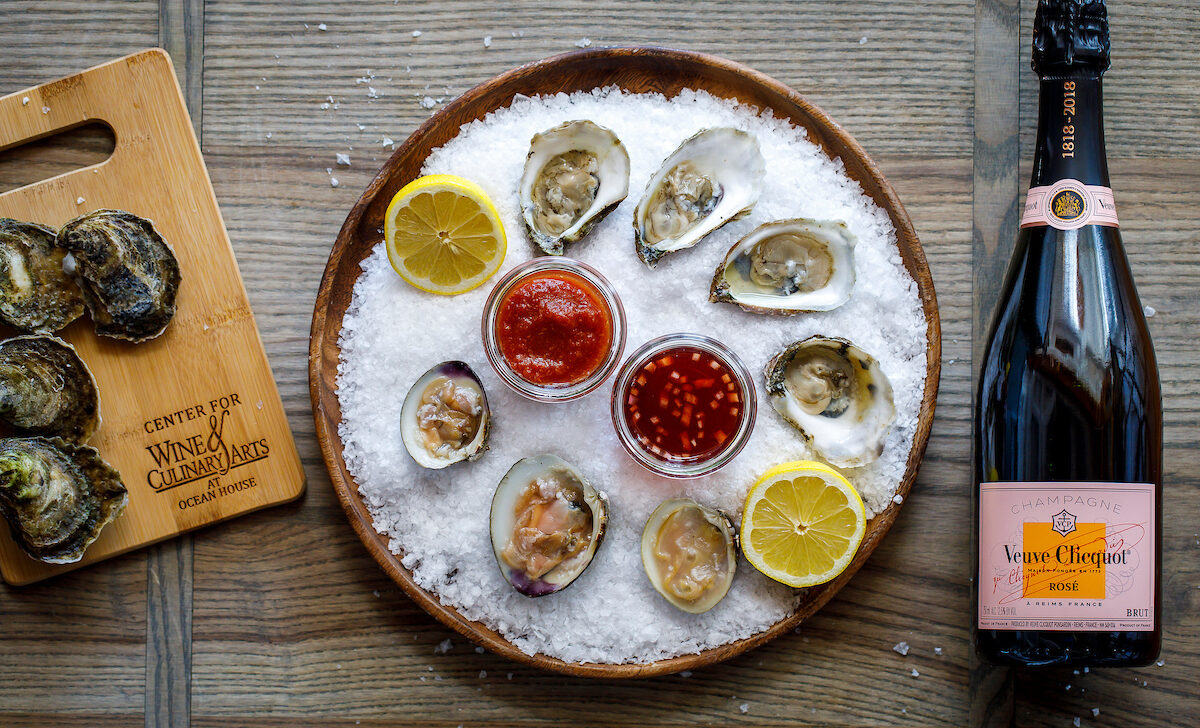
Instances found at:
x=443 y=234
x=802 y=523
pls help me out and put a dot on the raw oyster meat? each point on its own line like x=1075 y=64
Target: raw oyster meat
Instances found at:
x=35 y=293
x=689 y=552
x=787 y=267
x=128 y=273
x=547 y=522
x=712 y=178
x=46 y=389
x=836 y=395
x=57 y=496
x=575 y=174
x=445 y=416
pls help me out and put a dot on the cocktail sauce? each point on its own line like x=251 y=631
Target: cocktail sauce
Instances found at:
x=554 y=328
x=684 y=404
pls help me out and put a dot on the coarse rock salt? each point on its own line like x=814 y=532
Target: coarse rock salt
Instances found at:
x=744 y=707
x=487 y=41
x=902 y=648
x=416 y=34
x=322 y=26
x=583 y=42
x=937 y=651
x=1149 y=311
x=342 y=159
x=333 y=182
x=443 y=647
x=24 y=101
x=437 y=521
x=428 y=102
x=915 y=673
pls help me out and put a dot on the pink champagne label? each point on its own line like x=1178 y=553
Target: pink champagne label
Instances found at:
x=1069 y=204
x=1067 y=556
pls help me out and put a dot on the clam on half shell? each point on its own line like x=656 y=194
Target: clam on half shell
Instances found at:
x=575 y=174
x=445 y=416
x=546 y=523
x=689 y=552
x=787 y=267
x=712 y=178
x=836 y=395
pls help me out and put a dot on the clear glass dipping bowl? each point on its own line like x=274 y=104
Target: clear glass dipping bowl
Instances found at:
x=553 y=393
x=687 y=467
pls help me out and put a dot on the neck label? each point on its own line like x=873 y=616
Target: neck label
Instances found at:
x=1069 y=204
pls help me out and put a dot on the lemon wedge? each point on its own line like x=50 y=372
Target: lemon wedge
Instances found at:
x=443 y=234
x=802 y=523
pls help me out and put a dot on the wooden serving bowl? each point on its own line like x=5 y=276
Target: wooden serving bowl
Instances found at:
x=637 y=70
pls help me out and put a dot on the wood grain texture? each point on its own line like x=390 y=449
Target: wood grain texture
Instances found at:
x=284 y=598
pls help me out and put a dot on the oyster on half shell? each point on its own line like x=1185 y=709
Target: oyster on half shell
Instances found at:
x=128 y=273
x=546 y=523
x=57 y=496
x=689 y=552
x=787 y=267
x=836 y=395
x=445 y=416
x=575 y=174
x=47 y=389
x=35 y=293
x=712 y=178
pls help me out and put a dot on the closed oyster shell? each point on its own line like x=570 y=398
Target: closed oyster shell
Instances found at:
x=35 y=293
x=128 y=273
x=57 y=496
x=46 y=389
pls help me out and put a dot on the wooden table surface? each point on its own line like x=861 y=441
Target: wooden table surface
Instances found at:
x=281 y=618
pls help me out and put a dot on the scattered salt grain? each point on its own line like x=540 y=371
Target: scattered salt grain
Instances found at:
x=937 y=651
x=744 y=707
x=325 y=105
x=443 y=647
x=1085 y=670
x=24 y=101
x=343 y=159
x=1067 y=688
x=268 y=135
x=360 y=126
x=388 y=142
x=591 y=621
x=79 y=200
x=487 y=41
x=45 y=109
x=1150 y=311
x=322 y=26
x=372 y=93
x=333 y=181
x=897 y=499
x=862 y=40
x=1075 y=721
x=429 y=667
x=915 y=673
x=479 y=650
x=1095 y=712
x=583 y=42
x=685 y=673
x=416 y=34
x=482 y=674
x=1160 y=663
x=902 y=648
x=509 y=676
x=428 y=102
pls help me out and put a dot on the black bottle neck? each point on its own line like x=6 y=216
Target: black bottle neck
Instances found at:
x=1070 y=140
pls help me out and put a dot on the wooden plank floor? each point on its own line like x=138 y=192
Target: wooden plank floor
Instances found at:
x=281 y=618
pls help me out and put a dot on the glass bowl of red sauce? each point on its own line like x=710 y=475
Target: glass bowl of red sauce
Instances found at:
x=683 y=405
x=553 y=329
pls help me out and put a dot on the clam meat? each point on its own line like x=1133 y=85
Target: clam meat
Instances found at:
x=836 y=395
x=445 y=416
x=787 y=267
x=575 y=174
x=57 y=496
x=128 y=273
x=46 y=389
x=35 y=293
x=689 y=553
x=712 y=178
x=546 y=523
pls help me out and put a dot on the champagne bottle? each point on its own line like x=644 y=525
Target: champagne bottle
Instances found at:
x=1068 y=420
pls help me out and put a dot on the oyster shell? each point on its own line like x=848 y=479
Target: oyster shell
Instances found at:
x=35 y=293
x=546 y=523
x=787 y=267
x=575 y=174
x=46 y=389
x=689 y=553
x=836 y=395
x=128 y=273
x=445 y=416
x=57 y=496
x=712 y=178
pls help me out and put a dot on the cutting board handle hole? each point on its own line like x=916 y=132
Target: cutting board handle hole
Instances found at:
x=32 y=161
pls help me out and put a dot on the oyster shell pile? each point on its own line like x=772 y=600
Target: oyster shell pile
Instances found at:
x=787 y=267
x=836 y=395
x=689 y=552
x=128 y=273
x=46 y=389
x=575 y=174
x=712 y=178
x=546 y=523
x=35 y=293
x=57 y=496
x=445 y=416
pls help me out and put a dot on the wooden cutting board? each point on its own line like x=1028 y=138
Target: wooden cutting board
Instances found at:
x=192 y=419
